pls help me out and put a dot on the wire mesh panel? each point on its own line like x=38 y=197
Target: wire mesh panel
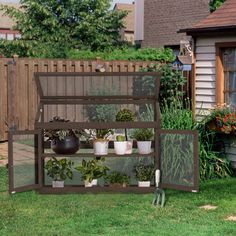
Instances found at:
x=96 y=84
x=179 y=159
x=123 y=165
x=23 y=160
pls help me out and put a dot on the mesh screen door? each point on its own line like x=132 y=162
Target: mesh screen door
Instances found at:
x=179 y=159
x=23 y=160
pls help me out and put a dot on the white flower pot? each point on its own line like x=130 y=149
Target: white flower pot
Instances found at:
x=129 y=148
x=120 y=147
x=144 y=184
x=144 y=147
x=58 y=184
x=88 y=184
x=94 y=182
x=100 y=147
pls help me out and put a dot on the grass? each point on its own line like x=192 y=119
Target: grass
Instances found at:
x=29 y=213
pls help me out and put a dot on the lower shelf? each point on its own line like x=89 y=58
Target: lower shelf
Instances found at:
x=106 y=189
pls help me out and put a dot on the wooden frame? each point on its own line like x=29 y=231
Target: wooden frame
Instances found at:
x=40 y=125
x=220 y=101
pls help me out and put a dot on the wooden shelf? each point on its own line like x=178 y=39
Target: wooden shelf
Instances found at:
x=44 y=155
x=105 y=189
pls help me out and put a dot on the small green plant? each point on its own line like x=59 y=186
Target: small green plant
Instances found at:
x=92 y=169
x=144 y=172
x=59 y=170
x=116 y=177
x=120 y=138
x=143 y=134
x=125 y=115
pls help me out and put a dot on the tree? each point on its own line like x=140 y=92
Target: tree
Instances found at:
x=214 y=4
x=57 y=25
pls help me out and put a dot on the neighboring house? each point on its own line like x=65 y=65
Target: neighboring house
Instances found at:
x=127 y=33
x=215 y=63
x=162 y=20
x=6 y=25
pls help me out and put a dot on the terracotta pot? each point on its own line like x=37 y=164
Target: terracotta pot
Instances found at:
x=69 y=145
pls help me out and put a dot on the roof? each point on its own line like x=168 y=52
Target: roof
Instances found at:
x=129 y=19
x=224 y=18
x=163 y=18
x=5 y=21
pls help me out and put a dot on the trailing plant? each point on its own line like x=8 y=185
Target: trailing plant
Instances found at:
x=116 y=177
x=125 y=115
x=60 y=169
x=92 y=169
x=143 y=134
x=61 y=134
x=222 y=119
x=144 y=172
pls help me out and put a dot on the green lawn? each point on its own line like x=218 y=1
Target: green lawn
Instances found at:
x=29 y=213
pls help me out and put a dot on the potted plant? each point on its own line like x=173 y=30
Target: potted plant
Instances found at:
x=100 y=140
x=126 y=115
x=120 y=145
x=91 y=170
x=143 y=137
x=63 y=141
x=144 y=174
x=59 y=170
x=119 y=179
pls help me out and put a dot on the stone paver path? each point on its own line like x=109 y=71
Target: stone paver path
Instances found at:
x=3 y=153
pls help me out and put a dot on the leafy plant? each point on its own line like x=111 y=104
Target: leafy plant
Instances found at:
x=61 y=134
x=92 y=169
x=125 y=115
x=171 y=84
x=143 y=134
x=144 y=172
x=59 y=170
x=116 y=177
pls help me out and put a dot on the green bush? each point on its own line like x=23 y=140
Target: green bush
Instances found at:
x=177 y=115
x=146 y=54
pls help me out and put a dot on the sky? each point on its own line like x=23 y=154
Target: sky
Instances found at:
x=114 y=1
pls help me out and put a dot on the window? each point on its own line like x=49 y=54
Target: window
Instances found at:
x=226 y=73
x=229 y=69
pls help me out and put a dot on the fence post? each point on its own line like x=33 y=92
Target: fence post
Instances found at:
x=12 y=121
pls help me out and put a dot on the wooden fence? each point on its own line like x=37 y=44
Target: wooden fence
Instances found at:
x=18 y=95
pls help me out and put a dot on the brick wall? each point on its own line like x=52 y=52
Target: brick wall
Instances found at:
x=162 y=20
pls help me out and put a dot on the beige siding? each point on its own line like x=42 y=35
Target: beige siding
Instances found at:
x=205 y=72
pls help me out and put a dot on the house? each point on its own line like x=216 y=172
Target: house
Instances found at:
x=127 y=33
x=215 y=63
x=162 y=20
x=6 y=25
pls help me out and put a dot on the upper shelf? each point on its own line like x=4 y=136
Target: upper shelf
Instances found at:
x=99 y=87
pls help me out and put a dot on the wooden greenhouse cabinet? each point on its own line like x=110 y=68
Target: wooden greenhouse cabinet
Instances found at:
x=68 y=94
